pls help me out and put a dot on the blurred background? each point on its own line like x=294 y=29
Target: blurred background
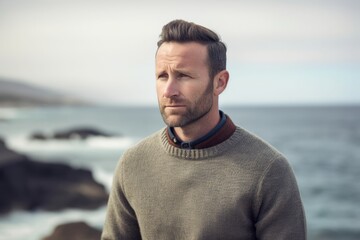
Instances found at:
x=77 y=88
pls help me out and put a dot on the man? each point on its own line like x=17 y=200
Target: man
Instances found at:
x=202 y=177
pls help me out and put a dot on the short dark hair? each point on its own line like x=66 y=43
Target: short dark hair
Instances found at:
x=182 y=31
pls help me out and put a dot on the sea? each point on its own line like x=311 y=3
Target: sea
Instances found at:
x=322 y=144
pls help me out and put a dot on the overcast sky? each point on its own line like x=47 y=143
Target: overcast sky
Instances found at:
x=279 y=52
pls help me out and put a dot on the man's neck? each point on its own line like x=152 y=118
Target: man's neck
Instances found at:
x=199 y=128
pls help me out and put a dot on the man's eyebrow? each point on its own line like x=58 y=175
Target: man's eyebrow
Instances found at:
x=182 y=70
x=179 y=70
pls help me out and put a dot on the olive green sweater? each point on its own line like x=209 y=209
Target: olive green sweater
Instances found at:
x=241 y=188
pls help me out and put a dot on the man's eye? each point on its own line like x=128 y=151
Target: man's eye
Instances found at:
x=182 y=75
x=162 y=76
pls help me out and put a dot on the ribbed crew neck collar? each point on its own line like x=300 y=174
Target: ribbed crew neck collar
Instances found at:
x=203 y=153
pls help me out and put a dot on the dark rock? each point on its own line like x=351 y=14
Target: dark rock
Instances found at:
x=38 y=136
x=7 y=155
x=82 y=133
x=2 y=143
x=28 y=184
x=75 y=133
x=74 y=231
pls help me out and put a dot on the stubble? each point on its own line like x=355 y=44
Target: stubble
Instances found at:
x=194 y=111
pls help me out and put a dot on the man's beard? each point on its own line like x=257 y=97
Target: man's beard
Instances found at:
x=194 y=110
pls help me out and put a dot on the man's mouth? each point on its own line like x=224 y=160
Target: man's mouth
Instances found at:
x=173 y=108
x=174 y=105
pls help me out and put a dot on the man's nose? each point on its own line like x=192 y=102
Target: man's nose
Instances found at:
x=171 y=88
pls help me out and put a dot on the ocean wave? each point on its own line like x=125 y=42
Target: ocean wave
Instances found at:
x=25 y=144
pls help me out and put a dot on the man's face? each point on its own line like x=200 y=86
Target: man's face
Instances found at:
x=184 y=90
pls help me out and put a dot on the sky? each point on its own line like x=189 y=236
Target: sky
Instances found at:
x=279 y=52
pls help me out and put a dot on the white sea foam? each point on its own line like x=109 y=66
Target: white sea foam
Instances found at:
x=24 y=144
x=8 y=113
x=103 y=177
x=112 y=142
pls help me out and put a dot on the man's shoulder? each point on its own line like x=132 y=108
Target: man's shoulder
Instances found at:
x=254 y=145
x=260 y=155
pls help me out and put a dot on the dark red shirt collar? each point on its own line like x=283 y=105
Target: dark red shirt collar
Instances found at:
x=220 y=133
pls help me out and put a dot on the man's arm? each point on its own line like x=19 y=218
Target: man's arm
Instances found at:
x=120 y=222
x=280 y=213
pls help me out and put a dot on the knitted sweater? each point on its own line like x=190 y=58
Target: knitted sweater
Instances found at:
x=241 y=188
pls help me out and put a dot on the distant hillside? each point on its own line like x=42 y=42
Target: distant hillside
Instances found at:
x=16 y=93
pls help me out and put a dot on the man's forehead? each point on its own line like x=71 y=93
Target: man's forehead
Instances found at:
x=189 y=51
x=182 y=47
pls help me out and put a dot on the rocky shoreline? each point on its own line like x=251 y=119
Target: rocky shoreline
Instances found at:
x=74 y=231
x=28 y=184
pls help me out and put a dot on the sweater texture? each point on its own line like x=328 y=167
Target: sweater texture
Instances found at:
x=241 y=188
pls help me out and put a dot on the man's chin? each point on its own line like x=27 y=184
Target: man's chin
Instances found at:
x=173 y=120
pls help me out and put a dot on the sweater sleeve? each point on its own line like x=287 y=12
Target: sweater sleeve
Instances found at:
x=120 y=221
x=280 y=213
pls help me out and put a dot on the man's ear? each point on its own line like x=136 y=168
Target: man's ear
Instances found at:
x=220 y=82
